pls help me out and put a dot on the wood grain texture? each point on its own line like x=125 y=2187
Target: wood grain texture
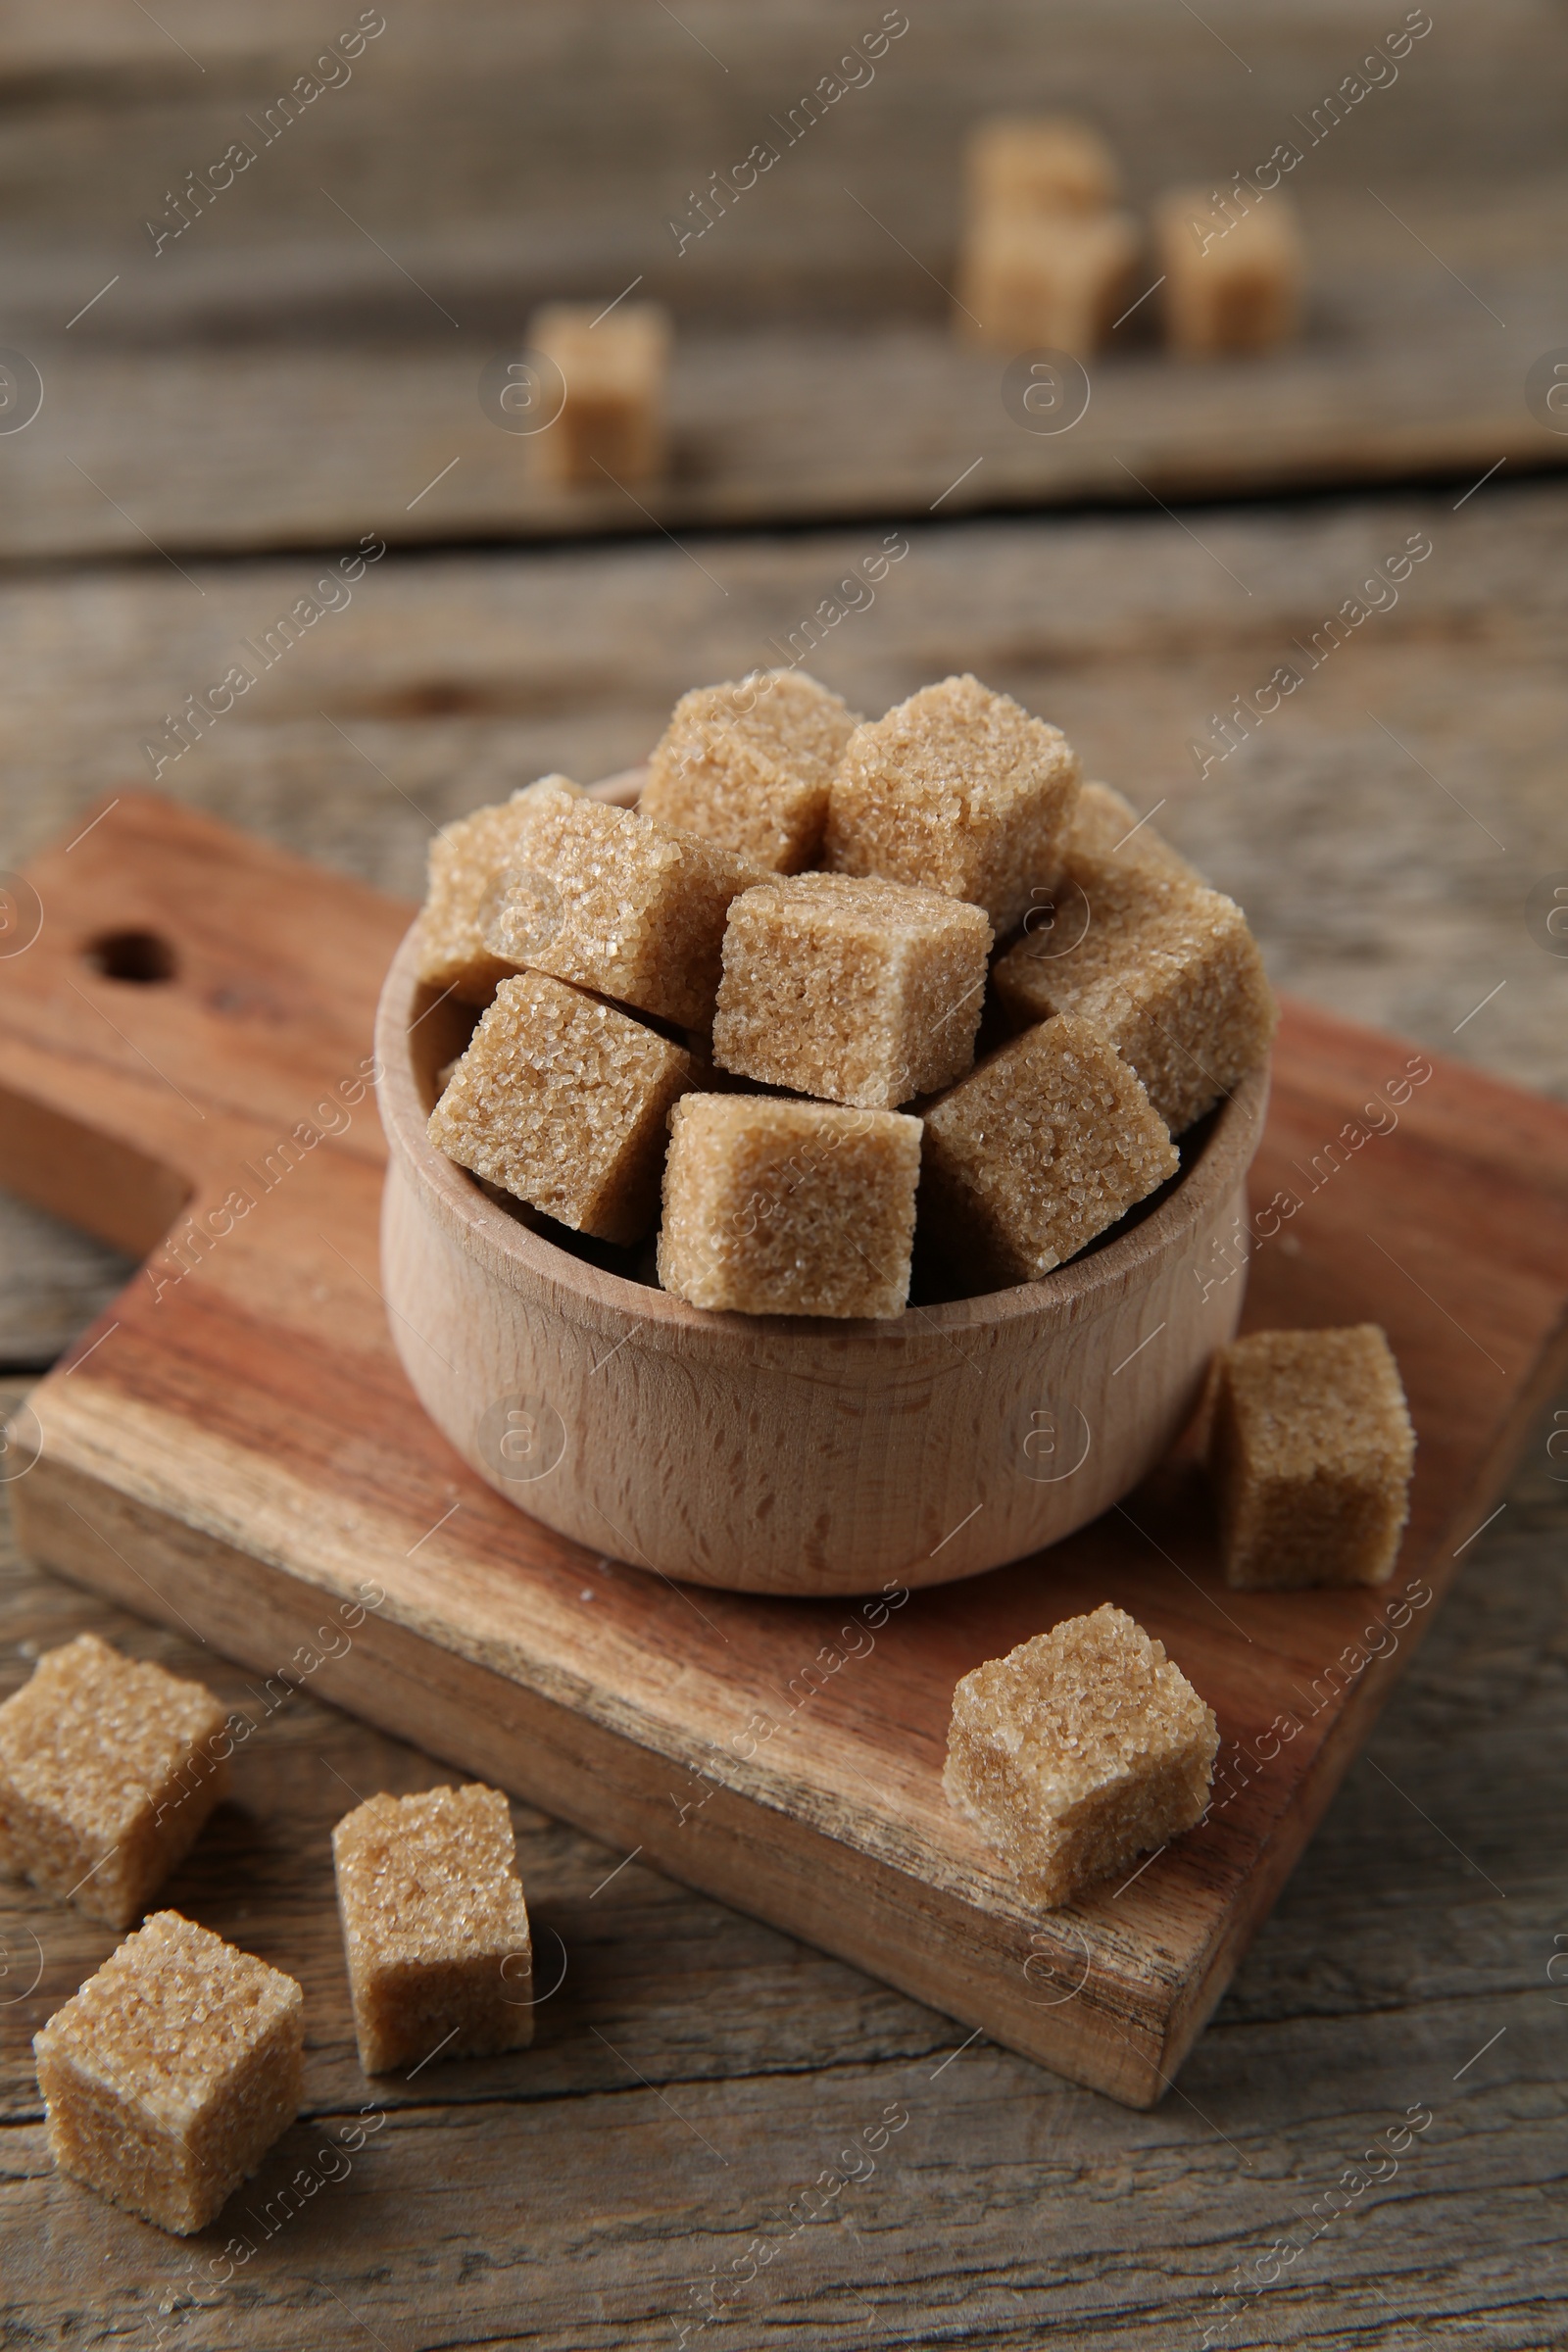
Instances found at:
x=302 y=359
x=1383 y=829
x=573 y=2207
x=696 y=2073
x=499 y=153
x=237 y=1449
x=54 y=1279
x=223 y=450
x=1025 y=2206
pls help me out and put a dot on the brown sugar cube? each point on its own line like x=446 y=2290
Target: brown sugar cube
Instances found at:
x=1163 y=967
x=1310 y=1452
x=1105 y=838
x=108 y=1771
x=958 y=790
x=614 y=371
x=862 y=992
x=788 y=1208
x=1230 y=284
x=435 y=1928
x=1078 y=1751
x=169 y=2075
x=1106 y=826
x=618 y=904
x=1040 y=163
x=471 y=865
x=1053 y=281
x=1036 y=1152
x=749 y=764
x=562 y=1101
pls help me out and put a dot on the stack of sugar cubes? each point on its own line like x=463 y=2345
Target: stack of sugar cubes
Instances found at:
x=1047 y=261
x=760 y=994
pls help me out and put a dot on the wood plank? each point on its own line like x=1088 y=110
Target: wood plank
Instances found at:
x=1384 y=828
x=1390 y=1962
x=54 y=1280
x=242 y=1438
x=1010 y=2205
x=303 y=360
x=547 y=148
x=313 y=447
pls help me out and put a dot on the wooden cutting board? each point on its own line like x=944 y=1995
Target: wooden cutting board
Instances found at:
x=234 y=1448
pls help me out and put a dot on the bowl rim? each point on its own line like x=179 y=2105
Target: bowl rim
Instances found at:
x=1073 y=1293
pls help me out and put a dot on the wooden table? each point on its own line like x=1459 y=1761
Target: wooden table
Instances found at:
x=696 y=2075
x=664 y=2166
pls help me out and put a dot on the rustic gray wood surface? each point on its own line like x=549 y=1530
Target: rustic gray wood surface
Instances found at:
x=495 y=154
x=1383 y=826
x=284 y=347
x=287 y=373
x=778 y=424
x=642 y=2169
x=696 y=2075
x=1405 y=369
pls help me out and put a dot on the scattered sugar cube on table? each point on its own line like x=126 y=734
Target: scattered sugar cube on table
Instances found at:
x=1166 y=968
x=169 y=2075
x=618 y=904
x=435 y=1928
x=469 y=866
x=613 y=369
x=856 y=990
x=788 y=1208
x=1035 y=1153
x=749 y=764
x=1081 y=1750
x=1311 y=1449
x=958 y=790
x=1047 y=281
x=562 y=1101
x=1040 y=163
x=108 y=1771
x=1230 y=285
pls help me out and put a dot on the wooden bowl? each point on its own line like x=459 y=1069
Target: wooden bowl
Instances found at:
x=794 y=1455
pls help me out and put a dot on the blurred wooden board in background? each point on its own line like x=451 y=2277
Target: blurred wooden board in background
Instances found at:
x=312 y=448
x=301 y=361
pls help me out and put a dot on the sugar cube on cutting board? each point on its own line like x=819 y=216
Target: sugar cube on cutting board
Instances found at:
x=1079 y=1750
x=1311 y=1449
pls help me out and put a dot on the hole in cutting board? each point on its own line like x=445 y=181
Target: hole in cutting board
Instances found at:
x=144 y=956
